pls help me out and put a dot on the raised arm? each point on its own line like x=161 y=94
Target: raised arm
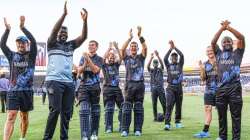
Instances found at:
x=79 y=40
x=181 y=56
x=6 y=50
x=238 y=35
x=33 y=45
x=160 y=60
x=115 y=44
x=150 y=61
x=56 y=28
x=217 y=36
x=167 y=56
x=105 y=57
x=143 y=43
x=125 y=45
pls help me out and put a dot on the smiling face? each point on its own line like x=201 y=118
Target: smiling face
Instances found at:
x=111 y=58
x=155 y=63
x=22 y=46
x=63 y=34
x=210 y=52
x=227 y=43
x=93 y=46
x=133 y=48
x=174 y=58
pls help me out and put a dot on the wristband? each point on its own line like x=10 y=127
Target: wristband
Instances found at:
x=142 y=40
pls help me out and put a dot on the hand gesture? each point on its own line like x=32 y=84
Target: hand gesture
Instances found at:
x=139 y=31
x=225 y=24
x=156 y=53
x=22 y=21
x=115 y=44
x=84 y=14
x=7 y=25
x=152 y=55
x=201 y=64
x=130 y=34
x=171 y=44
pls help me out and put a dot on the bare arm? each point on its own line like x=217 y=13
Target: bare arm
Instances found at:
x=94 y=68
x=142 y=40
x=217 y=36
x=56 y=28
x=202 y=71
x=79 y=40
x=160 y=60
x=118 y=51
x=181 y=56
x=125 y=45
x=167 y=56
x=149 y=62
x=238 y=35
x=105 y=57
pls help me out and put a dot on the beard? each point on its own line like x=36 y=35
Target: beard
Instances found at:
x=228 y=48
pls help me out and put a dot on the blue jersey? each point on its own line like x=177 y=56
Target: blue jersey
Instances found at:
x=22 y=65
x=175 y=71
x=228 y=66
x=134 y=68
x=210 y=78
x=111 y=74
x=156 y=77
x=88 y=77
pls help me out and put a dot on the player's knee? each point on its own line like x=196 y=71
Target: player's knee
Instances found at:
x=11 y=117
x=95 y=109
x=84 y=108
x=127 y=107
x=138 y=107
x=208 y=108
x=110 y=106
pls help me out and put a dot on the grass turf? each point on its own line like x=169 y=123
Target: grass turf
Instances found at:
x=193 y=118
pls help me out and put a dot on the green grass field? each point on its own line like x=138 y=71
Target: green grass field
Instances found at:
x=192 y=120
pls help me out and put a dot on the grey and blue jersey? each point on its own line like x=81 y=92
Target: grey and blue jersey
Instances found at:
x=210 y=78
x=156 y=77
x=89 y=78
x=174 y=71
x=22 y=65
x=228 y=66
x=60 y=61
x=111 y=74
x=134 y=68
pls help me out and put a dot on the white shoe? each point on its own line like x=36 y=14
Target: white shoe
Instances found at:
x=85 y=138
x=94 y=137
x=22 y=139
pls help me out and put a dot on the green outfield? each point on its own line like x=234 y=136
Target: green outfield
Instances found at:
x=192 y=120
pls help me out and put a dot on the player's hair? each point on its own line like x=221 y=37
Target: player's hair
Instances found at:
x=94 y=41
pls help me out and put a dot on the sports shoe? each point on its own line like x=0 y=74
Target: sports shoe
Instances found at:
x=219 y=138
x=22 y=139
x=85 y=138
x=94 y=137
x=108 y=131
x=202 y=134
x=178 y=125
x=167 y=127
x=137 y=133
x=124 y=134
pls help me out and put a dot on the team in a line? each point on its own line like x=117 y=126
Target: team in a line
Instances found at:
x=221 y=74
